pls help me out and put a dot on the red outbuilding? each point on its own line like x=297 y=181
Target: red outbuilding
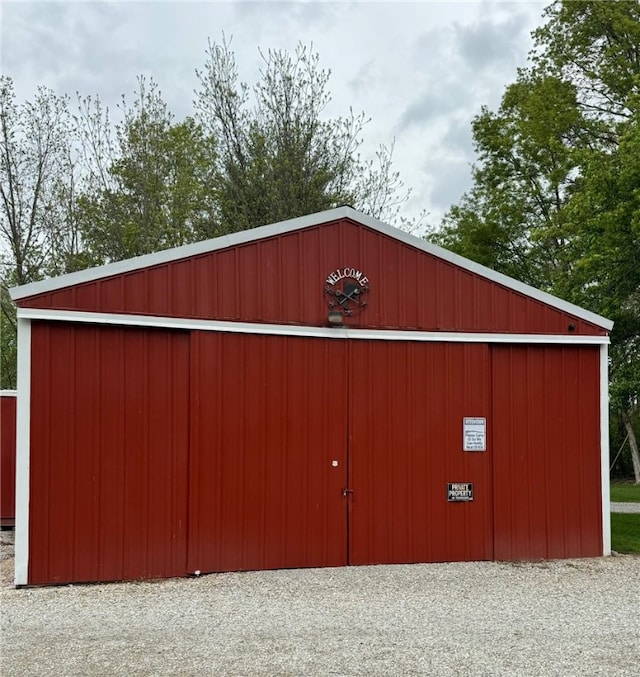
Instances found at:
x=320 y=392
x=7 y=457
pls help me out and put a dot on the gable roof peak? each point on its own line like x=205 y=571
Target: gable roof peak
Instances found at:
x=288 y=226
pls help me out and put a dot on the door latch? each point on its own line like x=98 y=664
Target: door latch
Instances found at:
x=346 y=492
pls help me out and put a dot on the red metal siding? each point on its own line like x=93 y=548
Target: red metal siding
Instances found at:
x=157 y=453
x=7 y=460
x=406 y=407
x=546 y=437
x=109 y=452
x=281 y=279
x=268 y=422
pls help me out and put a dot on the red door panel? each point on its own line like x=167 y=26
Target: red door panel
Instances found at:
x=268 y=460
x=406 y=406
x=109 y=453
x=547 y=454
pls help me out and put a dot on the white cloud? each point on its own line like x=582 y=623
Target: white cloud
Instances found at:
x=420 y=70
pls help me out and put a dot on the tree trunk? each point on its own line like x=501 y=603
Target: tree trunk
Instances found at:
x=633 y=443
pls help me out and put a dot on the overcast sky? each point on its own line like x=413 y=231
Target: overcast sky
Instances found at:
x=420 y=70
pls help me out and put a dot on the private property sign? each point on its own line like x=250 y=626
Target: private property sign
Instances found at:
x=460 y=491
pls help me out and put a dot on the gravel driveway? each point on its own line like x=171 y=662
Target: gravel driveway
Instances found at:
x=572 y=617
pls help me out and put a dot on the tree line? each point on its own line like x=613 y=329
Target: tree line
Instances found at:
x=78 y=190
x=555 y=199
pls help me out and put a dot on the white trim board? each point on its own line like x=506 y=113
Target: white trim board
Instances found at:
x=291 y=225
x=23 y=441
x=604 y=450
x=8 y=393
x=302 y=331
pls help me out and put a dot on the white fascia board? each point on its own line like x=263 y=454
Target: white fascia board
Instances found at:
x=246 y=236
x=604 y=450
x=303 y=331
x=8 y=393
x=23 y=431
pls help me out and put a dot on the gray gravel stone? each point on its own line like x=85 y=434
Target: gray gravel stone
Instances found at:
x=570 y=617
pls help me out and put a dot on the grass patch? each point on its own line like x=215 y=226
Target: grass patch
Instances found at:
x=625 y=492
x=625 y=532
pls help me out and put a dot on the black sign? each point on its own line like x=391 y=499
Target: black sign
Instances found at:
x=460 y=491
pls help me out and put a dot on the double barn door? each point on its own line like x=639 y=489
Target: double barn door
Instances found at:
x=324 y=452
x=159 y=453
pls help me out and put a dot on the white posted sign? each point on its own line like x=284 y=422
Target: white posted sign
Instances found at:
x=474 y=434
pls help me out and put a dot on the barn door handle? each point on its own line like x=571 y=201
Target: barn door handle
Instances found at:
x=346 y=492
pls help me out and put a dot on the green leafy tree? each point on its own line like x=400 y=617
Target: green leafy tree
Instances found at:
x=36 y=183
x=512 y=219
x=604 y=216
x=38 y=233
x=555 y=194
x=8 y=341
x=278 y=155
x=155 y=191
x=594 y=45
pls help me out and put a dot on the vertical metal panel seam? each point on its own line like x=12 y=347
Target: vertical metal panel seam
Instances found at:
x=309 y=378
x=491 y=448
x=300 y=300
x=549 y=436
x=192 y=494
x=349 y=455
x=531 y=423
x=71 y=516
x=579 y=383
x=97 y=451
x=246 y=439
x=186 y=462
x=46 y=499
x=264 y=351
x=220 y=375
x=145 y=504
x=124 y=513
x=171 y=400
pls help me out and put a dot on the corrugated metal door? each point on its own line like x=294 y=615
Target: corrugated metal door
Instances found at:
x=109 y=453
x=407 y=402
x=546 y=437
x=268 y=462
